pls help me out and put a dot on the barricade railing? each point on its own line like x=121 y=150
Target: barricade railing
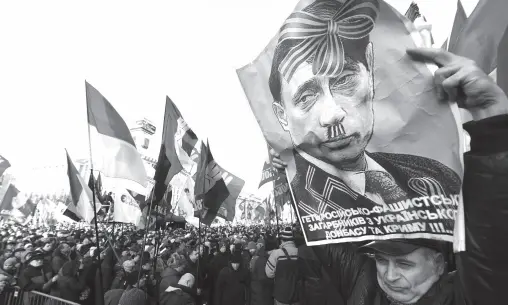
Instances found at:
x=17 y=297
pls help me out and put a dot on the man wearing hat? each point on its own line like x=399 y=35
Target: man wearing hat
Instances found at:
x=414 y=271
x=36 y=276
x=283 y=268
x=232 y=282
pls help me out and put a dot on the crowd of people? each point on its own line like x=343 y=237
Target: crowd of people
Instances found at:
x=234 y=265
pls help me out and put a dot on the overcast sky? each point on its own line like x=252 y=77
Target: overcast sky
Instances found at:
x=135 y=53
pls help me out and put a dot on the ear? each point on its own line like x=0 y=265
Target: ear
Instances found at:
x=280 y=113
x=369 y=57
x=440 y=264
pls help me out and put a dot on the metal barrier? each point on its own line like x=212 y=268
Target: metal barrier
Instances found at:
x=17 y=297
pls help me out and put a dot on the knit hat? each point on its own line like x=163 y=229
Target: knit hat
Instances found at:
x=251 y=246
x=286 y=234
x=236 y=258
x=133 y=297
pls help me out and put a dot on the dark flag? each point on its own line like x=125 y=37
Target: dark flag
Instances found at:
x=11 y=193
x=413 y=12
x=269 y=173
x=168 y=164
x=281 y=192
x=210 y=189
x=81 y=205
x=4 y=164
x=28 y=209
x=235 y=185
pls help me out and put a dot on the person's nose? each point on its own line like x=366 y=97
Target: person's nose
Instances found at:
x=331 y=112
x=392 y=274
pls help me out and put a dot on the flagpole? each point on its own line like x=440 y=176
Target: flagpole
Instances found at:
x=149 y=211
x=94 y=203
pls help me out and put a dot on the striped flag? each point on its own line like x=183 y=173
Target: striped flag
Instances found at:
x=168 y=163
x=4 y=164
x=481 y=35
x=113 y=150
x=210 y=189
x=81 y=206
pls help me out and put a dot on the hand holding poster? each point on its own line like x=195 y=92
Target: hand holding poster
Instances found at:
x=371 y=152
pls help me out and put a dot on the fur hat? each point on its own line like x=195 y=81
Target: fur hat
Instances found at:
x=133 y=296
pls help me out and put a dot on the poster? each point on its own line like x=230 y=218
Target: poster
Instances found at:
x=371 y=152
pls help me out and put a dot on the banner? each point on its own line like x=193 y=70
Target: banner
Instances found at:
x=371 y=152
x=235 y=185
x=126 y=208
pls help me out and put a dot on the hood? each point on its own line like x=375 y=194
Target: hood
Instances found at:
x=173 y=288
x=287 y=244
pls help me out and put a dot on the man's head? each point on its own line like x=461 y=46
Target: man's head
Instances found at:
x=194 y=255
x=10 y=264
x=236 y=260
x=323 y=86
x=123 y=198
x=65 y=249
x=406 y=270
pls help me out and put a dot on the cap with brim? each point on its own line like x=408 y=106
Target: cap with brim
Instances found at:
x=398 y=247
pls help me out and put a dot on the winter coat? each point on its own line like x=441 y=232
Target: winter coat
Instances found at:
x=481 y=270
x=261 y=287
x=231 y=286
x=112 y=297
x=69 y=284
x=169 y=277
x=217 y=263
x=58 y=261
x=178 y=295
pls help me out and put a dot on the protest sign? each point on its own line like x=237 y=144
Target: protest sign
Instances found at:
x=371 y=152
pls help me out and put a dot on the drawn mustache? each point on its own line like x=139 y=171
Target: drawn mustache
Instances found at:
x=335 y=131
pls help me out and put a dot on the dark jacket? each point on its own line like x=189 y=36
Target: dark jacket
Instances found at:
x=169 y=277
x=58 y=261
x=481 y=270
x=231 y=286
x=217 y=263
x=69 y=284
x=261 y=287
x=180 y=295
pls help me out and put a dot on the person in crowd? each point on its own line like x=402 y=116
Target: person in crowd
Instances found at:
x=232 y=283
x=282 y=266
x=70 y=285
x=120 y=280
x=9 y=268
x=413 y=271
x=261 y=286
x=60 y=256
x=218 y=262
x=172 y=274
x=181 y=293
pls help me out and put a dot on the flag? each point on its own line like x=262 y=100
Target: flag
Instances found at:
x=4 y=164
x=28 y=209
x=281 y=192
x=210 y=189
x=480 y=36
x=11 y=193
x=412 y=12
x=126 y=209
x=81 y=206
x=269 y=173
x=502 y=63
x=114 y=152
x=235 y=185
x=168 y=163
x=458 y=23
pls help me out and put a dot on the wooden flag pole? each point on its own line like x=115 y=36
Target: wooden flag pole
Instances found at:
x=146 y=234
x=94 y=205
